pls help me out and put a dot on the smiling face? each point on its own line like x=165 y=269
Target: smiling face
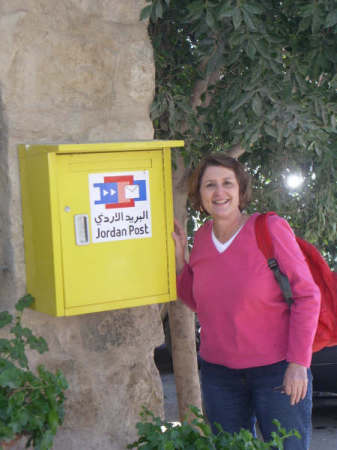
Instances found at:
x=220 y=192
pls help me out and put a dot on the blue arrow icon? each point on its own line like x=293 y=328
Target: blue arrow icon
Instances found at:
x=108 y=193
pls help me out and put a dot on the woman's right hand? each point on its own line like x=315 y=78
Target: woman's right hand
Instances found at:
x=180 y=240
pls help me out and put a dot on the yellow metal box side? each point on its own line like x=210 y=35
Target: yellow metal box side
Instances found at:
x=105 y=146
x=169 y=222
x=119 y=146
x=56 y=238
x=121 y=304
x=38 y=225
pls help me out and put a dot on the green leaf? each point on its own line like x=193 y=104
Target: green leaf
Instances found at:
x=317 y=22
x=159 y=11
x=24 y=302
x=262 y=48
x=5 y=319
x=196 y=10
x=255 y=136
x=304 y=24
x=46 y=441
x=331 y=19
x=270 y=131
x=226 y=11
x=331 y=54
x=18 y=354
x=257 y=105
x=145 y=12
x=216 y=61
x=237 y=39
x=307 y=10
x=242 y=101
x=53 y=420
x=38 y=343
x=251 y=49
x=210 y=19
x=276 y=68
x=248 y=21
x=5 y=347
x=237 y=18
x=252 y=9
x=11 y=378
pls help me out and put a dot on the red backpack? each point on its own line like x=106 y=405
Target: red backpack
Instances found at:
x=324 y=277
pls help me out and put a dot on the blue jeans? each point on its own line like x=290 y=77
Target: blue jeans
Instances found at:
x=235 y=397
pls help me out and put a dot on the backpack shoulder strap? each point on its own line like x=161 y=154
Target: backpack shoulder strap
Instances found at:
x=263 y=236
x=265 y=244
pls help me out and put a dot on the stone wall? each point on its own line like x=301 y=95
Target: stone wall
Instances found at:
x=79 y=71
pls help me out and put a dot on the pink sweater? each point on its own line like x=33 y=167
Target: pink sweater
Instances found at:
x=244 y=320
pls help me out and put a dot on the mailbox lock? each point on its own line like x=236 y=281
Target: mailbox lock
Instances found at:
x=81 y=229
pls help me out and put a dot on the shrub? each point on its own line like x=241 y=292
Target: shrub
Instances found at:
x=155 y=434
x=31 y=404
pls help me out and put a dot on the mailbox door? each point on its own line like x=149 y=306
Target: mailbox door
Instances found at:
x=113 y=219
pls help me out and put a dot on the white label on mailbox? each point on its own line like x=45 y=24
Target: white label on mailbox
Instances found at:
x=120 y=206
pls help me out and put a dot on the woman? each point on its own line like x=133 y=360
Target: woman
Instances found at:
x=255 y=349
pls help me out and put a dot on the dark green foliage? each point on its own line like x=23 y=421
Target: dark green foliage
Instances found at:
x=155 y=434
x=269 y=68
x=30 y=404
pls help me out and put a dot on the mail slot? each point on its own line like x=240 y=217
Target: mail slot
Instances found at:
x=97 y=223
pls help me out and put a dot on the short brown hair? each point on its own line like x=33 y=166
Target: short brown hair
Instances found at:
x=219 y=159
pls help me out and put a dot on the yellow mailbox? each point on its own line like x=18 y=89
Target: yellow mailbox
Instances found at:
x=97 y=223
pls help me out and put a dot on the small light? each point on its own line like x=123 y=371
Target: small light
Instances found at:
x=294 y=181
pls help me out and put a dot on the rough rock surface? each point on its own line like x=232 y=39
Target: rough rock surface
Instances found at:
x=79 y=71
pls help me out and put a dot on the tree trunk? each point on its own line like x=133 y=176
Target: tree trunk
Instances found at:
x=182 y=321
x=185 y=366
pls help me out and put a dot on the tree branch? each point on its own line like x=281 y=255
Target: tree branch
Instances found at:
x=236 y=151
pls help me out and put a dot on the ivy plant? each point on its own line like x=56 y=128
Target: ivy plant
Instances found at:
x=31 y=403
x=156 y=434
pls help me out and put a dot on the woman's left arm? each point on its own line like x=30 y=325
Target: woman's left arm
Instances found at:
x=304 y=311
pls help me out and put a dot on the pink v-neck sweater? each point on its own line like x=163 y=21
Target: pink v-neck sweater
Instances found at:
x=244 y=320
